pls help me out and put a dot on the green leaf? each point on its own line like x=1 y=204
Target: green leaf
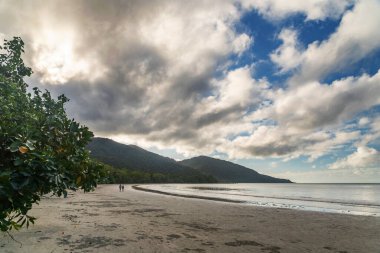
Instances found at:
x=30 y=145
x=15 y=186
x=14 y=146
x=5 y=174
x=18 y=161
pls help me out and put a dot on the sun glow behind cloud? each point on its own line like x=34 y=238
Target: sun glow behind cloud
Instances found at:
x=57 y=60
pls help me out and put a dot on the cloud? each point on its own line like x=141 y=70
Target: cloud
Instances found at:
x=139 y=61
x=69 y=40
x=355 y=38
x=279 y=141
x=312 y=9
x=241 y=43
x=363 y=121
x=237 y=88
x=308 y=120
x=288 y=55
x=363 y=158
x=315 y=105
x=373 y=130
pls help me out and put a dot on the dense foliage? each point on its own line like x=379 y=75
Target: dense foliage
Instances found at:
x=128 y=176
x=41 y=150
x=228 y=172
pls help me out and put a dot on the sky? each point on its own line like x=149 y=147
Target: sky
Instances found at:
x=288 y=88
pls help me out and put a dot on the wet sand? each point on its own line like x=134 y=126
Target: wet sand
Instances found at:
x=136 y=221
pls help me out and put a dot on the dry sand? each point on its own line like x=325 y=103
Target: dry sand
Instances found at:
x=134 y=221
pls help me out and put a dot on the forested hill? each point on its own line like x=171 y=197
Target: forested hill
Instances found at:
x=131 y=157
x=229 y=172
x=134 y=158
x=202 y=169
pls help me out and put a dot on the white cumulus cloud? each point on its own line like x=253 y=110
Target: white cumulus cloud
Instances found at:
x=363 y=158
x=313 y=9
x=355 y=38
x=288 y=55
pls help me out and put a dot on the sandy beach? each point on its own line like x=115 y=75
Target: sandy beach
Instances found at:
x=135 y=221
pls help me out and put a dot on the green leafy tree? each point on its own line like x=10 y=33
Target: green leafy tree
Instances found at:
x=41 y=150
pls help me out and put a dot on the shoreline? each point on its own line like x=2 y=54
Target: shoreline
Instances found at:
x=141 y=221
x=138 y=188
x=276 y=205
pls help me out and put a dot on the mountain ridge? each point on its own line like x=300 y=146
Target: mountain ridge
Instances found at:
x=134 y=157
x=229 y=172
x=130 y=156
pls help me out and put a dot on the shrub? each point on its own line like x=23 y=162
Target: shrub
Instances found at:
x=41 y=150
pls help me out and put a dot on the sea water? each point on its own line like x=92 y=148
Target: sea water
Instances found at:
x=357 y=199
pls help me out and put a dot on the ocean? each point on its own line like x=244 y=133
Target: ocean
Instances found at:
x=356 y=199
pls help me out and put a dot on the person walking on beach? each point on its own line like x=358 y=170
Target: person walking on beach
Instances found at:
x=120 y=187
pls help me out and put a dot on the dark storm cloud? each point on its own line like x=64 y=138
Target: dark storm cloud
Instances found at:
x=139 y=91
x=272 y=150
x=218 y=116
